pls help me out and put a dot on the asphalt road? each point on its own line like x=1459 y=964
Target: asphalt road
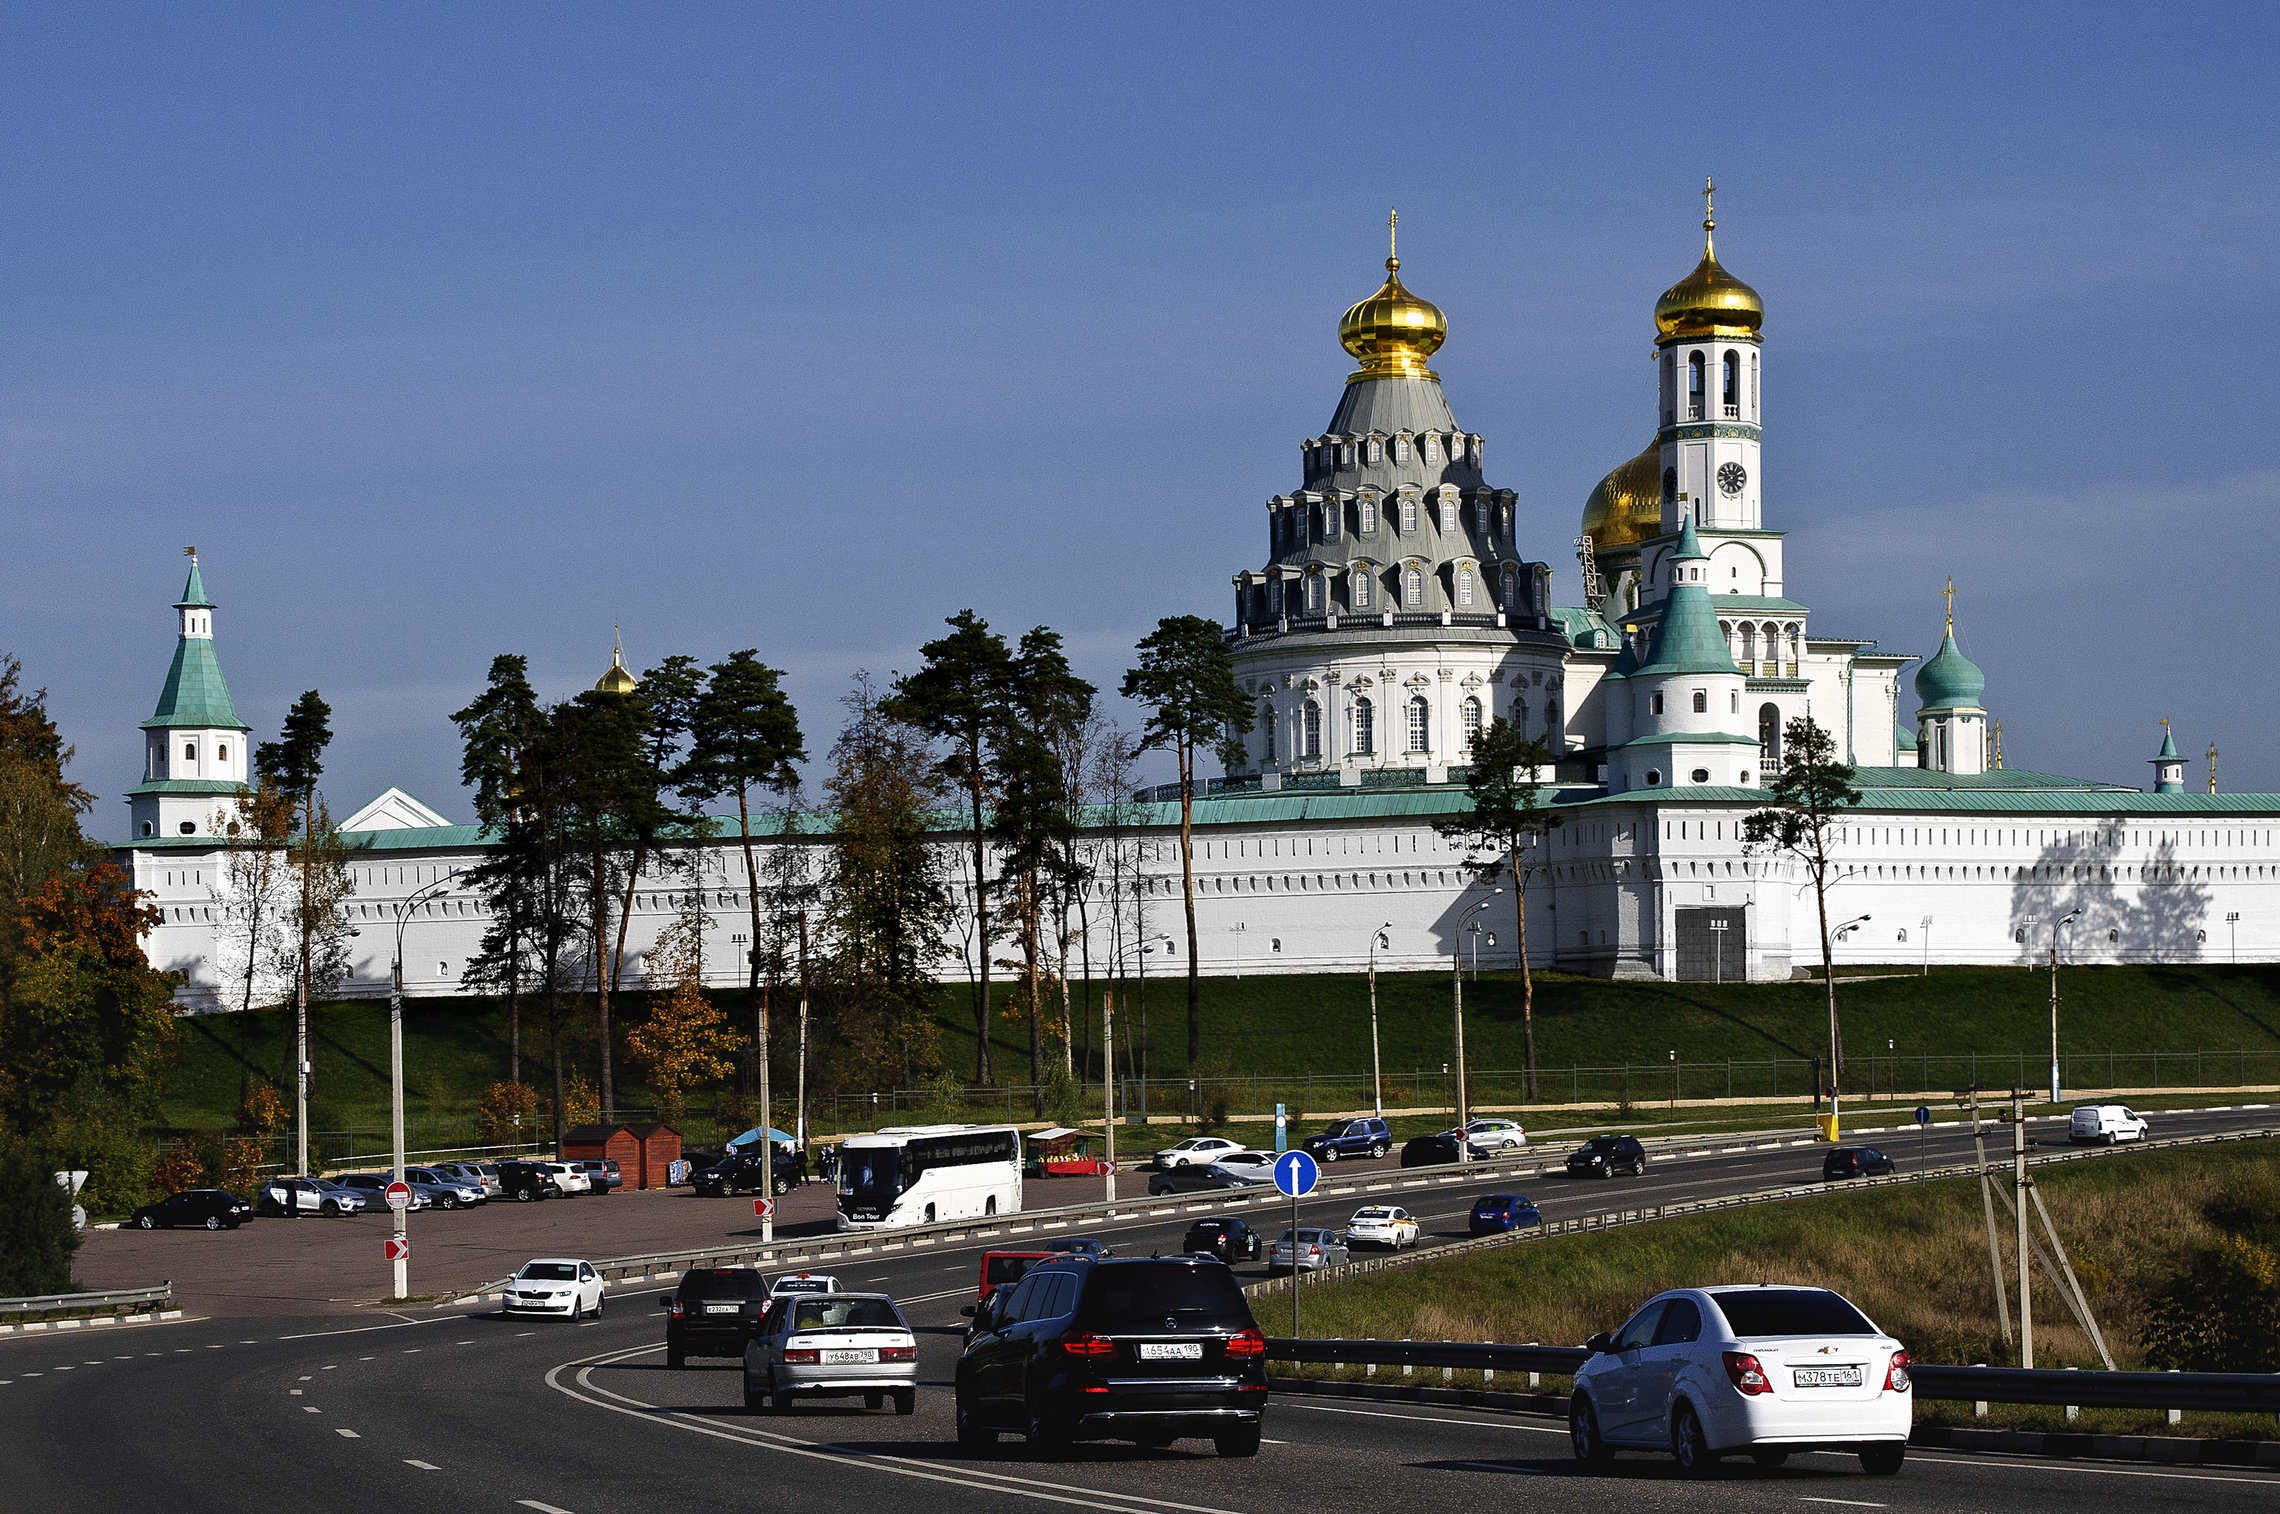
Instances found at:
x=459 y=1409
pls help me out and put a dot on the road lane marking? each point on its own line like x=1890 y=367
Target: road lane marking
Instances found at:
x=1507 y=1466
x=2040 y=1465
x=311 y=1409
x=424 y=1466
x=1429 y=1419
x=543 y=1508
x=348 y=1434
x=1850 y=1503
x=296 y=1392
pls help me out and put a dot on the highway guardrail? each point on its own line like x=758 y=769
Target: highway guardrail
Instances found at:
x=116 y=1301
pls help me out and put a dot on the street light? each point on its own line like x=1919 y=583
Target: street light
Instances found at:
x=1836 y=1042
x=1147 y=946
x=1457 y=990
x=2232 y=918
x=1926 y=925
x=1378 y=938
x=2060 y=924
x=402 y=1249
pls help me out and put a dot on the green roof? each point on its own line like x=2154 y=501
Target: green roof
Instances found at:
x=1687 y=638
x=194 y=694
x=1686 y=738
x=194 y=591
x=1950 y=681
x=2168 y=747
x=188 y=786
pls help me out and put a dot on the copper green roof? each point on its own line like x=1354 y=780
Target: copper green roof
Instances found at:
x=1951 y=681
x=194 y=591
x=1687 y=638
x=194 y=694
x=2168 y=747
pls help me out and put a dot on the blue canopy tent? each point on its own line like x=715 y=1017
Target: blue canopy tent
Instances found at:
x=752 y=1138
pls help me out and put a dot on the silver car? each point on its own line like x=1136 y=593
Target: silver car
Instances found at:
x=832 y=1345
x=475 y=1174
x=1315 y=1249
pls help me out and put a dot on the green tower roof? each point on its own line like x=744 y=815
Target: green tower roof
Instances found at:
x=2168 y=747
x=1687 y=640
x=1950 y=680
x=194 y=694
x=194 y=592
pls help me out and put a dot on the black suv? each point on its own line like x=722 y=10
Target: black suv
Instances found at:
x=1139 y=1349
x=525 y=1182
x=1604 y=1156
x=713 y=1312
x=1367 y=1136
x=1231 y=1241
x=1856 y=1162
x=743 y=1172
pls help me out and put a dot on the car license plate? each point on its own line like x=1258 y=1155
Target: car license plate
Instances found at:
x=1171 y=1351
x=1827 y=1377
x=848 y=1358
x=723 y=1308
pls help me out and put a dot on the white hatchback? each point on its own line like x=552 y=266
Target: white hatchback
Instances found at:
x=562 y=1286
x=1762 y=1371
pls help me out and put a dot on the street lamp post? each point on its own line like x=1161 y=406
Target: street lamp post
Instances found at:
x=1378 y=938
x=2232 y=918
x=1457 y=991
x=1147 y=946
x=1836 y=1042
x=1926 y=926
x=2062 y=923
x=402 y=1250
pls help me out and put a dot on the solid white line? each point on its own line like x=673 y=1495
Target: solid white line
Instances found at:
x=2043 y=1465
x=1850 y=1503
x=1428 y=1419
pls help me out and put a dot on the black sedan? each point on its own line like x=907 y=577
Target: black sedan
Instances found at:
x=1203 y=1179
x=1438 y=1150
x=208 y=1208
x=1230 y=1240
x=1855 y=1162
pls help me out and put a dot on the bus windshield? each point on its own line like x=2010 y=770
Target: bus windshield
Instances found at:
x=871 y=1174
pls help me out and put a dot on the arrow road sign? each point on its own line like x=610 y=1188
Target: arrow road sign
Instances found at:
x=1923 y=1114
x=1296 y=1174
x=399 y=1248
x=399 y=1195
x=762 y=1208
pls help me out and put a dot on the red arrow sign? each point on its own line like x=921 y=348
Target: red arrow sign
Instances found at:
x=762 y=1208
x=399 y=1248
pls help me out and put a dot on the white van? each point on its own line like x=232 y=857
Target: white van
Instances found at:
x=2105 y=1124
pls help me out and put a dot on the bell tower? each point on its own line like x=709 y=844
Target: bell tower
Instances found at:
x=1708 y=352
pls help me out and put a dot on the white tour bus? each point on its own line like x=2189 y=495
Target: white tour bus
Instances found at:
x=918 y=1174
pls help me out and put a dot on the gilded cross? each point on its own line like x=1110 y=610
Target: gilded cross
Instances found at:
x=1392 y=233
x=1949 y=593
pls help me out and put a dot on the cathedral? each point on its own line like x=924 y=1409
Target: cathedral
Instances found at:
x=1396 y=613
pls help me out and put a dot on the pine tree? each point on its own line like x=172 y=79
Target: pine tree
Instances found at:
x=1187 y=680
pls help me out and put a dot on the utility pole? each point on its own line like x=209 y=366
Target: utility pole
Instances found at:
x=301 y=1070
x=801 y=1126
x=1377 y=1076
x=2019 y=1215
x=1457 y=992
x=2063 y=922
x=1108 y=1082
x=1987 y=1202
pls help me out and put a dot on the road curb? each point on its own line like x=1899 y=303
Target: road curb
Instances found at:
x=91 y=1321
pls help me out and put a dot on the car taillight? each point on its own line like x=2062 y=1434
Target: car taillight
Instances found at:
x=1747 y=1372
x=802 y=1358
x=898 y=1353
x=1896 y=1375
x=1085 y=1343
x=680 y=1310
x=1249 y=1343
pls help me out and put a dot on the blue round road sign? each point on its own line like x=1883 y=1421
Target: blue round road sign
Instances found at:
x=1923 y=1114
x=1296 y=1174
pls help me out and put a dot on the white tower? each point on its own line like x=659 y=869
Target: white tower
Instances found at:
x=194 y=756
x=1951 y=728
x=1707 y=325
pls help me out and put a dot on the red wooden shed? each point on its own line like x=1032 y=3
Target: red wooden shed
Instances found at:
x=660 y=1149
x=617 y=1143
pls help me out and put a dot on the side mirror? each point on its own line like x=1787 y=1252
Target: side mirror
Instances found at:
x=967 y=1312
x=1602 y=1343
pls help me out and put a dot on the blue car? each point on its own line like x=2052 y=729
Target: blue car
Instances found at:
x=1493 y=1213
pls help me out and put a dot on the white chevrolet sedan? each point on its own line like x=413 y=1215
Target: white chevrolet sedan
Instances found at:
x=1760 y=1371
x=558 y=1285
x=1387 y=1225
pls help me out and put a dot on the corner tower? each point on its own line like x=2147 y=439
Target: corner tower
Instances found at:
x=1951 y=728
x=194 y=756
x=1394 y=615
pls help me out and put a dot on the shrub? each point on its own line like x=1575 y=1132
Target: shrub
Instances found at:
x=2223 y=1315
x=37 y=1238
x=177 y=1168
x=507 y=1114
x=94 y=1129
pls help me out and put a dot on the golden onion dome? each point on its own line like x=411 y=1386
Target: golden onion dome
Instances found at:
x=1393 y=333
x=618 y=680
x=1626 y=508
x=1709 y=302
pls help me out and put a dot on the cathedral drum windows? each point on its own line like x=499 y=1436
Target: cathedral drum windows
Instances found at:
x=1314 y=593
x=1413 y=586
x=1364 y=743
x=1464 y=586
x=1267 y=727
x=1365 y=516
x=1310 y=730
x=1701 y=702
x=1694 y=386
x=1358 y=583
x=1420 y=725
x=1470 y=714
x=1409 y=517
x=1733 y=385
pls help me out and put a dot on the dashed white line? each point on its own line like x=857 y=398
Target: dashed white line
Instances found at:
x=1850 y=1503
x=424 y=1466
x=347 y=1434
x=543 y=1508
x=295 y=1392
x=311 y=1409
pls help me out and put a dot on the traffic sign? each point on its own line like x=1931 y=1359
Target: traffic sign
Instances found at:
x=1923 y=1114
x=399 y=1248
x=1296 y=1174
x=762 y=1208
x=399 y=1195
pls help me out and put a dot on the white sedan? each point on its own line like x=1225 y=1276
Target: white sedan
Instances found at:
x=558 y=1285
x=1198 y=1151
x=803 y=1282
x=1386 y=1225
x=1495 y=1135
x=1701 y=1373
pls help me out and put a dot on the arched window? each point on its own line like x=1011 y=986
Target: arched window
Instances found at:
x=1734 y=701
x=1408 y=517
x=1520 y=718
x=1733 y=384
x=1701 y=702
x=1267 y=724
x=1372 y=450
x=1654 y=702
x=1464 y=586
x=1368 y=514
x=1793 y=643
x=1511 y=589
x=189 y=751
x=222 y=752
x=1669 y=387
x=1365 y=726
x=1749 y=645
x=1314 y=594
x=1312 y=729
x=1484 y=521
x=1694 y=386
x=1469 y=712
x=1412 y=586
x=1401 y=449
x=1753 y=387
x=1330 y=518
x=1360 y=585
x=1274 y=597
x=1420 y=724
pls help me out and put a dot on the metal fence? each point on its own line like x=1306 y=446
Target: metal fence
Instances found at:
x=116 y=1301
x=2222 y=1392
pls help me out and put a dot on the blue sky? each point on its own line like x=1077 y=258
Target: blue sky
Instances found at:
x=449 y=330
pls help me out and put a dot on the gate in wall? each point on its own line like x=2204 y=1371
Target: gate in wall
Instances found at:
x=1713 y=945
